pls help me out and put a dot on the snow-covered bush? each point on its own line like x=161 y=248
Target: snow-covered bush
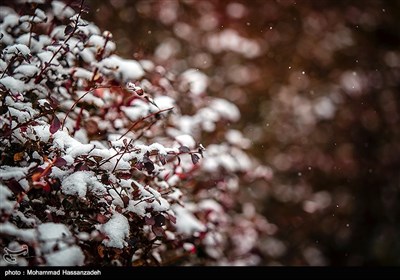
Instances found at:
x=112 y=161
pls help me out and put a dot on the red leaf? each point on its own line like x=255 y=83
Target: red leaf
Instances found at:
x=60 y=162
x=55 y=125
x=149 y=221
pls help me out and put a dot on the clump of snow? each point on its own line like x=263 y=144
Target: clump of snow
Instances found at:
x=13 y=84
x=186 y=140
x=230 y=40
x=71 y=256
x=225 y=109
x=116 y=230
x=197 y=80
x=324 y=108
x=14 y=172
x=186 y=222
x=6 y=205
x=52 y=234
x=122 y=69
x=61 y=10
x=56 y=240
x=235 y=137
x=80 y=182
x=17 y=48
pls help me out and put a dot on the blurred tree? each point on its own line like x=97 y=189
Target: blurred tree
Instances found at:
x=318 y=84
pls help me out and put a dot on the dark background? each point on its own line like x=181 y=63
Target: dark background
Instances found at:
x=319 y=102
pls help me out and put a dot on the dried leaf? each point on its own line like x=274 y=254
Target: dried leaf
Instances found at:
x=18 y=156
x=100 y=251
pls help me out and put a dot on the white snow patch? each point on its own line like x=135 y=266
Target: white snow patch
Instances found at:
x=186 y=222
x=186 y=140
x=71 y=256
x=52 y=234
x=225 y=109
x=6 y=205
x=197 y=80
x=116 y=230
x=123 y=69
x=80 y=182
x=12 y=84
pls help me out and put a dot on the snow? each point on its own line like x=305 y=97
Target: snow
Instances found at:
x=83 y=73
x=71 y=256
x=230 y=158
x=147 y=65
x=17 y=48
x=99 y=42
x=230 y=40
x=116 y=230
x=6 y=205
x=26 y=70
x=30 y=222
x=80 y=182
x=235 y=137
x=12 y=84
x=9 y=21
x=149 y=198
x=14 y=172
x=164 y=102
x=225 y=109
x=324 y=108
x=123 y=69
x=61 y=10
x=28 y=235
x=137 y=110
x=91 y=99
x=188 y=246
x=186 y=222
x=72 y=147
x=38 y=17
x=51 y=236
x=196 y=79
x=186 y=140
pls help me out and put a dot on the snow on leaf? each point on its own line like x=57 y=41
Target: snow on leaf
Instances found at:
x=71 y=256
x=80 y=182
x=116 y=230
x=186 y=222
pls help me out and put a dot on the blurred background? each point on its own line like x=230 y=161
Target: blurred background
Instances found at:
x=317 y=83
